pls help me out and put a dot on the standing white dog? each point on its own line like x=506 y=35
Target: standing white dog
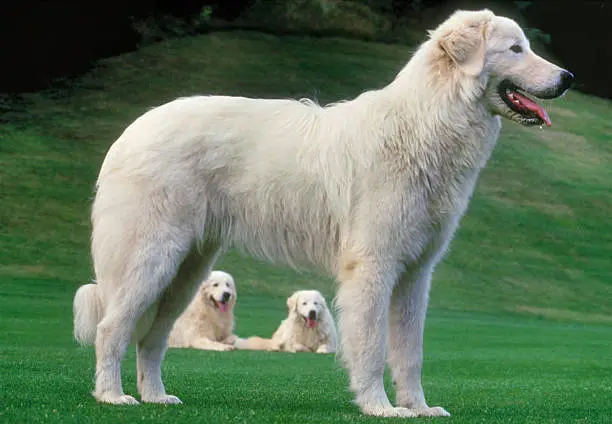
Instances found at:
x=369 y=190
x=310 y=327
x=208 y=321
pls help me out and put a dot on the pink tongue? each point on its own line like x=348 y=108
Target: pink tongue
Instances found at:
x=311 y=323
x=222 y=306
x=533 y=106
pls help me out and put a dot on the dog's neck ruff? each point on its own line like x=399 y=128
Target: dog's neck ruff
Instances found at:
x=441 y=115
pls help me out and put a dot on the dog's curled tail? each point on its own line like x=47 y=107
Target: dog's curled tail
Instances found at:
x=88 y=310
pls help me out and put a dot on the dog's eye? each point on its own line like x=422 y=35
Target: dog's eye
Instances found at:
x=304 y=303
x=316 y=303
x=216 y=285
x=516 y=48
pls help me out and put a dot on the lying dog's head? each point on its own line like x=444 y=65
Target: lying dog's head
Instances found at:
x=219 y=290
x=307 y=305
x=494 y=49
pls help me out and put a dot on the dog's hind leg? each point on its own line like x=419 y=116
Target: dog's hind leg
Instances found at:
x=136 y=274
x=406 y=323
x=151 y=348
x=363 y=302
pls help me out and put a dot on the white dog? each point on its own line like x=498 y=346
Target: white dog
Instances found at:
x=310 y=327
x=369 y=190
x=208 y=322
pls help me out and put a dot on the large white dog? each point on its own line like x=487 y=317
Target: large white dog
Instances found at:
x=369 y=190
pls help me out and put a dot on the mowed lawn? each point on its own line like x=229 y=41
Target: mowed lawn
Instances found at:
x=520 y=328
x=482 y=368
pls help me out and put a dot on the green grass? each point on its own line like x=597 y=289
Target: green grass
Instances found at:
x=483 y=368
x=519 y=328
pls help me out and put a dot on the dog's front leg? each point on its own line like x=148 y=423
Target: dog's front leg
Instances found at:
x=363 y=304
x=406 y=321
x=298 y=347
x=231 y=340
x=204 y=343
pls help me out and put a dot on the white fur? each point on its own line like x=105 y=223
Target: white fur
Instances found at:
x=369 y=190
x=88 y=310
x=293 y=335
x=203 y=325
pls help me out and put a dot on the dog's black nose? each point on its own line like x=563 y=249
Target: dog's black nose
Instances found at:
x=226 y=296
x=567 y=79
x=312 y=315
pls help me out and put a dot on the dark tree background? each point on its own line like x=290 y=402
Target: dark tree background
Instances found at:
x=581 y=37
x=43 y=40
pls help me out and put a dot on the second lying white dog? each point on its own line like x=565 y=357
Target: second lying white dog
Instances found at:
x=208 y=322
x=310 y=327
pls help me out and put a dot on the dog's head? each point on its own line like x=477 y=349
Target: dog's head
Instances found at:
x=495 y=49
x=219 y=290
x=308 y=305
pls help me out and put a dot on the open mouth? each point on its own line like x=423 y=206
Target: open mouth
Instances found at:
x=220 y=304
x=310 y=323
x=529 y=110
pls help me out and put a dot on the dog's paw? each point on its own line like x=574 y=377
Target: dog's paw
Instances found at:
x=116 y=399
x=225 y=348
x=300 y=348
x=164 y=400
x=434 y=411
x=390 y=411
x=324 y=349
x=231 y=340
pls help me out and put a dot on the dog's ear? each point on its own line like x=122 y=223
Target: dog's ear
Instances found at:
x=322 y=300
x=462 y=37
x=292 y=302
x=235 y=296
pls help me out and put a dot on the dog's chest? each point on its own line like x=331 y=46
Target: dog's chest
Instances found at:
x=430 y=223
x=308 y=337
x=214 y=327
x=452 y=198
x=449 y=185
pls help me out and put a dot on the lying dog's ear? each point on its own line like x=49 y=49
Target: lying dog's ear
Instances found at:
x=292 y=302
x=322 y=300
x=463 y=37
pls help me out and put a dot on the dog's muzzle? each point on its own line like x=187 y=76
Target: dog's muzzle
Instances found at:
x=311 y=319
x=567 y=80
x=226 y=297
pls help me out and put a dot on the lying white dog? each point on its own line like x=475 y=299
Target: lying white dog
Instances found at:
x=208 y=322
x=310 y=327
x=370 y=191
